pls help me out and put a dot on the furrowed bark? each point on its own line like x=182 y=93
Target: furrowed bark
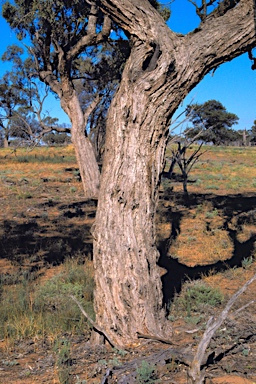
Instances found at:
x=163 y=67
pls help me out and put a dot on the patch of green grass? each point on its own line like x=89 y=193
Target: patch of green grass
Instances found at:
x=212 y=186
x=211 y=214
x=194 y=296
x=28 y=309
x=55 y=159
x=63 y=363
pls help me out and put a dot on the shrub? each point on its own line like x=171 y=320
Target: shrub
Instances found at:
x=196 y=295
x=145 y=373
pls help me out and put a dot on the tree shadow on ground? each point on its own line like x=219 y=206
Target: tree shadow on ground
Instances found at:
x=241 y=207
x=37 y=240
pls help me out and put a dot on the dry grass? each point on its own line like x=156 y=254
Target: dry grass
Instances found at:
x=217 y=216
x=45 y=219
x=46 y=245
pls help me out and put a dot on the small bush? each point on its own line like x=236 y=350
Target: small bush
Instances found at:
x=146 y=373
x=196 y=295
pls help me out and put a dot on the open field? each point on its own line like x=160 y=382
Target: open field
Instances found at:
x=207 y=251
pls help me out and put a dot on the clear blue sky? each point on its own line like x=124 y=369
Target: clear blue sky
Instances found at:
x=233 y=83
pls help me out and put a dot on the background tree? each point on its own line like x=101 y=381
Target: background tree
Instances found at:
x=213 y=122
x=72 y=49
x=55 y=138
x=252 y=133
x=22 y=101
x=13 y=95
x=59 y=33
x=184 y=160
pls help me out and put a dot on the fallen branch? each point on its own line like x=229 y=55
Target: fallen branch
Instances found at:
x=155 y=338
x=95 y=326
x=126 y=373
x=195 y=376
x=105 y=378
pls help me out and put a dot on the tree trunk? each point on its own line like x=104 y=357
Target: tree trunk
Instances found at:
x=128 y=294
x=171 y=169
x=160 y=72
x=85 y=155
x=6 y=142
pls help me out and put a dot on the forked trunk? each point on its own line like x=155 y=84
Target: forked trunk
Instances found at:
x=163 y=67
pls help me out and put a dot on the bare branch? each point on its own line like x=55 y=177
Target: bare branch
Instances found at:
x=195 y=375
x=95 y=326
x=92 y=20
x=92 y=106
x=201 y=10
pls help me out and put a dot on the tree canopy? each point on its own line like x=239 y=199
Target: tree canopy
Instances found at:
x=211 y=122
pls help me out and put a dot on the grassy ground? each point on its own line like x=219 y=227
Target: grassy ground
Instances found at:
x=207 y=251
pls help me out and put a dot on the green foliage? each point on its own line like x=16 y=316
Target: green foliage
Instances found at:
x=29 y=309
x=63 y=363
x=247 y=262
x=212 y=123
x=164 y=11
x=252 y=133
x=195 y=295
x=146 y=373
x=56 y=139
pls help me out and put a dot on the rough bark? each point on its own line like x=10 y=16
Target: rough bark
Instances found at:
x=163 y=67
x=85 y=155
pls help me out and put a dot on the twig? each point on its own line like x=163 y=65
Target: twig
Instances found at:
x=105 y=377
x=242 y=308
x=95 y=326
x=156 y=338
x=195 y=376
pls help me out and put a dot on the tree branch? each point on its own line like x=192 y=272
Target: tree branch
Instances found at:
x=195 y=375
x=95 y=326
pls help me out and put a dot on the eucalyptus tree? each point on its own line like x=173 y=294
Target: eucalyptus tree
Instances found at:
x=252 y=132
x=211 y=122
x=161 y=70
x=22 y=98
x=14 y=94
x=72 y=48
x=59 y=32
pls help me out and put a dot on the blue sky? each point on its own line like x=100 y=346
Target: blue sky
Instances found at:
x=233 y=83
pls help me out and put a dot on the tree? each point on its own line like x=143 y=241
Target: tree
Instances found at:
x=213 y=122
x=162 y=68
x=59 y=32
x=13 y=95
x=252 y=133
x=185 y=162
x=22 y=100
x=64 y=35
x=56 y=139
